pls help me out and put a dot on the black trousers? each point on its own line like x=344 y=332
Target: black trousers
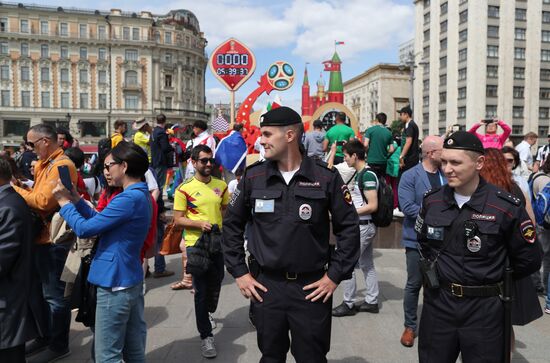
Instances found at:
x=284 y=309
x=379 y=169
x=473 y=326
x=13 y=355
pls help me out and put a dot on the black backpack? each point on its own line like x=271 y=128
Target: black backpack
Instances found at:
x=103 y=148
x=384 y=214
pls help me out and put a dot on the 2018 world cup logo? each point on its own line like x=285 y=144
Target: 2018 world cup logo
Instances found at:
x=280 y=75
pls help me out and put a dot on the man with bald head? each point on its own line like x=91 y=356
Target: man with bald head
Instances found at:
x=412 y=186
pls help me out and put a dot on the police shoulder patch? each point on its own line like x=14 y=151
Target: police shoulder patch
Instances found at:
x=324 y=165
x=347 y=195
x=527 y=230
x=509 y=198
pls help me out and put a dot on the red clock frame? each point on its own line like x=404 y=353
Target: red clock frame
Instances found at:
x=232 y=63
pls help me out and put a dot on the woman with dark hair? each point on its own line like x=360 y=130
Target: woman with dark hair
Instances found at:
x=77 y=157
x=120 y=330
x=511 y=156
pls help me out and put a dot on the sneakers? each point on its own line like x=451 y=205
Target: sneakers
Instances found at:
x=212 y=321
x=208 y=349
x=398 y=213
x=369 y=308
x=343 y=310
x=164 y=273
x=547 y=310
x=407 y=339
x=35 y=346
x=49 y=356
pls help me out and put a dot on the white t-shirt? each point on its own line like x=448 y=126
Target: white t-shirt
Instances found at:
x=356 y=196
x=462 y=199
x=150 y=180
x=287 y=175
x=93 y=186
x=524 y=150
x=232 y=186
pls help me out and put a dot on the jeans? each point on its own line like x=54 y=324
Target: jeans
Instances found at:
x=366 y=263
x=412 y=288
x=160 y=262
x=544 y=239
x=120 y=329
x=50 y=260
x=207 y=292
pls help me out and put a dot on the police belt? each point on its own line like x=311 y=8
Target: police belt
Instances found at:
x=365 y=221
x=291 y=276
x=471 y=291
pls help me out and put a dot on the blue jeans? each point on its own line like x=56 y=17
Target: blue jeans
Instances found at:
x=50 y=260
x=120 y=329
x=412 y=288
x=160 y=262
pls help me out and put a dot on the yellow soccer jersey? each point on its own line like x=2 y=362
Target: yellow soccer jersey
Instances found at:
x=203 y=202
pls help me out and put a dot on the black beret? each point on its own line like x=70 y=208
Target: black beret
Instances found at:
x=464 y=141
x=280 y=116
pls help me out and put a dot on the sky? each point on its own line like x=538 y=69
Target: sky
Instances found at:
x=296 y=31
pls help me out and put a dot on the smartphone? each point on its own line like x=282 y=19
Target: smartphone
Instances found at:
x=455 y=128
x=65 y=176
x=487 y=120
x=340 y=143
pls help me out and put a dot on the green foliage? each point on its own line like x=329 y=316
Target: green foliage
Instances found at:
x=396 y=127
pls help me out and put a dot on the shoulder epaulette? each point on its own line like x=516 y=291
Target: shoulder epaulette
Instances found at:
x=324 y=165
x=259 y=162
x=509 y=198
x=431 y=191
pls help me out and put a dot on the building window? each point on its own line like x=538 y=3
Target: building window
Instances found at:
x=3 y=25
x=492 y=31
x=462 y=54
x=46 y=99
x=519 y=53
x=24 y=26
x=462 y=93
x=426 y=101
x=521 y=14
x=493 y=12
x=545 y=55
x=16 y=127
x=443 y=62
x=426 y=4
x=83 y=100
x=102 y=101
x=168 y=38
x=3 y=47
x=517 y=129
x=131 y=78
x=102 y=77
x=462 y=74
x=490 y=111
x=442 y=97
x=93 y=129
x=101 y=32
x=546 y=16
x=425 y=53
x=442 y=80
x=135 y=33
x=427 y=35
x=461 y=112
x=520 y=33
x=442 y=115
x=131 y=55
x=126 y=33
x=64 y=52
x=492 y=71
x=168 y=80
x=518 y=92
x=102 y=54
x=25 y=73
x=546 y=36
x=44 y=51
x=64 y=29
x=545 y=74
x=83 y=75
x=444 y=8
x=425 y=85
x=543 y=130
x=545 y=93
x=443 y=26
x=463 y=35
x=168 y=57
x=443 y=44
x=544 y=112
x=491 y=91
x=131 y=102
x=44 y=28
x=519 y=73
x=83 y=53
x=157 y=36
x=24 y=49
x=463 y=16
x=492 y=51
x=64 y=75
x=65 y=100
x=44 y=74
x=5 y=73
x=168 y=103
x=26 y=98
x=5 y=98
x=517 y=111
x=83 y=30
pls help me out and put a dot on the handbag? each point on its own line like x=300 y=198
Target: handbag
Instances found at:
x=84 y=296
x=171 y=240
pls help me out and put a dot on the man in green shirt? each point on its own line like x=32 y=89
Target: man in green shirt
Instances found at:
x=340 y=133
x=378 y=141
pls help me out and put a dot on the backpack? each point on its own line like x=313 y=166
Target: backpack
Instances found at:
x=541 y=204
x=384 y=214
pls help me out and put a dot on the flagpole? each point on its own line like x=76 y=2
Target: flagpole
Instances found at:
x=232 y=102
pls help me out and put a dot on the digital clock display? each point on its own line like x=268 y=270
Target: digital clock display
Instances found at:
x=232 y=63
x=231 y=71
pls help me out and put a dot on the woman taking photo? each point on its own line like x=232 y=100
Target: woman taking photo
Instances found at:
x=120 y=329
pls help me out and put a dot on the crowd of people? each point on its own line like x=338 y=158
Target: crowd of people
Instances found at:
x=77 y=231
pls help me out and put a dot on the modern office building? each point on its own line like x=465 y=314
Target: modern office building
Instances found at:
x=87 y=68
x=481 y=59
x=382 y=88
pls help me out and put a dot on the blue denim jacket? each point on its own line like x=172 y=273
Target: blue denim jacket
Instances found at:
x=412 y=186
x=122 y=227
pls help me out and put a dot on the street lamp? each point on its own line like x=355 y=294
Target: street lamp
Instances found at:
x=411 y=63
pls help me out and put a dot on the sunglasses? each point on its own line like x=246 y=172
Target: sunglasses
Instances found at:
x=108 y=165
x=510 y=161
x=31 y=144
x=205 y=161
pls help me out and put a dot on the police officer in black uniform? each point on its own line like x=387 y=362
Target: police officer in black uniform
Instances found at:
x=470 y=229
x=293 y=271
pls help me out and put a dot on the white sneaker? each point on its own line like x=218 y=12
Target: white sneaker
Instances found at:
x=398 y=213
x=208 y=349
x=212 y=321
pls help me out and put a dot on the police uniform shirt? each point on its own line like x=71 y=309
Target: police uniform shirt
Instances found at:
x=289 y=229
x=477 y=257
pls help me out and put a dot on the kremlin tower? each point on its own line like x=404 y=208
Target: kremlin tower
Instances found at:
x=335 y=88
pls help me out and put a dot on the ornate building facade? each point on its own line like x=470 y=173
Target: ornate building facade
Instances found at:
x=84 y=69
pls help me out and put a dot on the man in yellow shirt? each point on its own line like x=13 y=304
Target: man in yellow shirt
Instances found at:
x=198 y=205
x=118 y=135
x=142 y=137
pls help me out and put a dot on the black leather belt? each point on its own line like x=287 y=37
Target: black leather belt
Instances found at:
x=291 y=276
x=471 y=291
x=365 y=221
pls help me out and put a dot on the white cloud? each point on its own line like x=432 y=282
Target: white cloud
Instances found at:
x=217 y=95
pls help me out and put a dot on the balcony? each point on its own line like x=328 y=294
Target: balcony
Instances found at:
x=131 y=86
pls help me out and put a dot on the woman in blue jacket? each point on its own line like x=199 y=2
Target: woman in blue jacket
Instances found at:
x=120 y=330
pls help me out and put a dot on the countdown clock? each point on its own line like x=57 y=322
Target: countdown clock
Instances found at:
x=232 y=63
x=329 y=119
